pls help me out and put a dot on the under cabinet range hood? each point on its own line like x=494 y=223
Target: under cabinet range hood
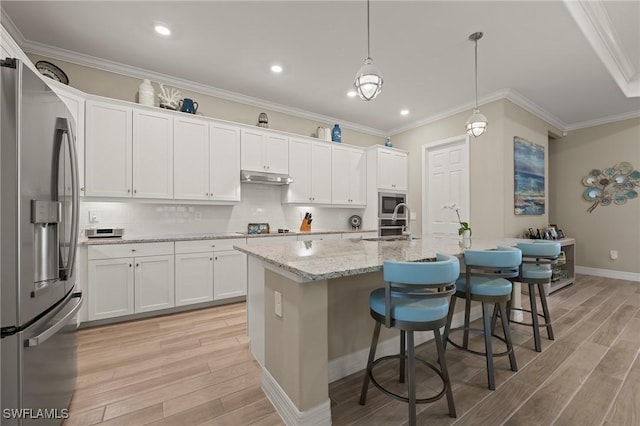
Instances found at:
x=247 y=176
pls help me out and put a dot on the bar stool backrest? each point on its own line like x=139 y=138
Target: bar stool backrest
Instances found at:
x=502 y=262
x=433 y=279
x=540 y=249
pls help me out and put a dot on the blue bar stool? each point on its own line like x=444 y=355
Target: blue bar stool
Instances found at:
x=537 y=260
x=415 y=298
x=487 y=281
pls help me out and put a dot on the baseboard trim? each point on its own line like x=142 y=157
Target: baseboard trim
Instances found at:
x=608 y=273
x=351 y=363
x=318 y=415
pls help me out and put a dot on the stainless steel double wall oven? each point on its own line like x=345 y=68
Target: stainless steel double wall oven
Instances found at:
x=387 y=203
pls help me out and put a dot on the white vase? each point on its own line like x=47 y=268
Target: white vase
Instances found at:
x=146 y=94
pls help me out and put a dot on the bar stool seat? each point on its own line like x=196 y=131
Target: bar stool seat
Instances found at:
x=408 y=308
x=415 y=298
x=485 y=286
x=486 y=280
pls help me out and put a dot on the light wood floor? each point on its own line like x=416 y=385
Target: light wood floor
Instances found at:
x=195 y=368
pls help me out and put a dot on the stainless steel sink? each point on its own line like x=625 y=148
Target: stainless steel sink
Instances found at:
x=392 y=238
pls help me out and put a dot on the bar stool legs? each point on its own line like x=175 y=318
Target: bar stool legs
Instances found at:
x=372 y=355
x=545 y=310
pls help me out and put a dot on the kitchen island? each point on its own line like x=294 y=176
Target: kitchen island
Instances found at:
x=308 y=313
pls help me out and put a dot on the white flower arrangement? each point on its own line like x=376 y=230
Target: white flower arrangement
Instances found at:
x=169 y=97
x=464 y=226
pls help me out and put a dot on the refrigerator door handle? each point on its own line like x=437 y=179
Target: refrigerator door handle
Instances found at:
x=63 y=127
x=45 y=335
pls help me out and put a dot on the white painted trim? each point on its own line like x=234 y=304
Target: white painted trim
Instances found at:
x=425 y=173
x=592 y=18
x=318 y=415
x=608 y=273
x=357 y=361
x=604 y=120
x=528 y=105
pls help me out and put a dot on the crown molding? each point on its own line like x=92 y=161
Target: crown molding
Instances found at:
x=135 y=72
x=528 y=105
x=594 y=22
x=11 y=28
x=604 y=120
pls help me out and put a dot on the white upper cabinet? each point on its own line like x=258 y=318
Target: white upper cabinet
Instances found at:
x=224 y=161
x=190 y=158
x=349 y=175
x=310 y=168
x=392 y=169
x=263 y=151
x=108 y=150
x=152 y=154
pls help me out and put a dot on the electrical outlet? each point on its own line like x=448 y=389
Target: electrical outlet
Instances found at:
x=93 y=216
x=278 y=303
x=613 y=254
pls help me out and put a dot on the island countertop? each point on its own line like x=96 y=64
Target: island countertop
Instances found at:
x=319 y=260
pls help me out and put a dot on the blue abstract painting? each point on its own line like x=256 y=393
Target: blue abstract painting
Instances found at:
x=529 y=177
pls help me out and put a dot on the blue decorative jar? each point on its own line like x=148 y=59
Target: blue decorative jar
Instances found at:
x=336 y=134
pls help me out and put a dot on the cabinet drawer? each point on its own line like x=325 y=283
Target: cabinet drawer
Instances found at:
x=112 y=251
x=201 y=246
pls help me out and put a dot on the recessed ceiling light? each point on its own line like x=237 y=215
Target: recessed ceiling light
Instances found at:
x=276 y=69
x=351 y=93
x=162 y=30
x=404 y=112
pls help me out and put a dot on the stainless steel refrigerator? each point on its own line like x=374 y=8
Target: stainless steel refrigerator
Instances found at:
x=38 y=233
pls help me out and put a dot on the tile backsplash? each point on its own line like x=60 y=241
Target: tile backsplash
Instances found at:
x=260 y=203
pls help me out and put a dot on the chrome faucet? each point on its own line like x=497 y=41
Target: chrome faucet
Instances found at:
x=408 y=226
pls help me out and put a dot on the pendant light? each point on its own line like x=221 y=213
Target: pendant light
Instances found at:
x=477 y=123
x=368 y=80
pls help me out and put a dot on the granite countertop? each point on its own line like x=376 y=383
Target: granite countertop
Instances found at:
x=204 y=236
x=319 y=260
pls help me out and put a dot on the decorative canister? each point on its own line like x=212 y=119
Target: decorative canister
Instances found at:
x=146 y=94
x=388 y=142
x=336 y=134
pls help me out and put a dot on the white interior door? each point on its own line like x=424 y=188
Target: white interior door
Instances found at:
x=445 y=181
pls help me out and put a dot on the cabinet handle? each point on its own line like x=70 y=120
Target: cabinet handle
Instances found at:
x=82 y=188
x=130 y=265
x=213 y=245
x=133 y=249
x=211 y=258
x=135 y=191
x=137 y=265
x=128 y=191
x=216 y=257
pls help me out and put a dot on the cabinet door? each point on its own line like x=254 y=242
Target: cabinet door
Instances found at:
x=110 y=288
x=321 y=172
x=154 y=283
x=108 y=150
x=392 y=170
x=358 y=181
x=300 y=170
x=194 y=278
x=224 y=160
x=190 y=159
x=252 y=150
x=152 y=154
x=75 y=103
x=340 y=174
x=277 y=153
x=229 y=274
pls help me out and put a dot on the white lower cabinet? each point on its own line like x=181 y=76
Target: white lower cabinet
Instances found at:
x=209 y=270
x=110 y=288
x=125 y=279
x=154 y=283
x=229 y=274
x=194 y=278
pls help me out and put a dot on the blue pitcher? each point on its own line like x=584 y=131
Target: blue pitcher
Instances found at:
x=188 y=105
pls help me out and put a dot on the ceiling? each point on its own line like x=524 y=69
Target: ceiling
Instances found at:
x=573 y=64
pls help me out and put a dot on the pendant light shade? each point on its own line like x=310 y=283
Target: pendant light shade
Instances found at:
x=368 y=80
x=477 y=123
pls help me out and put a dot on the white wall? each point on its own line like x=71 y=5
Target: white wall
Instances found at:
x=260 y=203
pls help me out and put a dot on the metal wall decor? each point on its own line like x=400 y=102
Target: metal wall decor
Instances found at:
x=615 y=184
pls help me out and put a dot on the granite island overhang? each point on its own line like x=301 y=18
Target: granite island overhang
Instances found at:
x=320 y=331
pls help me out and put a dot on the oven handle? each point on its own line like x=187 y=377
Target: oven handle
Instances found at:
x=393 y=227
x=45 y=335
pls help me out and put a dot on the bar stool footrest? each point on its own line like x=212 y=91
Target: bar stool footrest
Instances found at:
x=480 y=331
x=404 y=398
x=528 y=323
